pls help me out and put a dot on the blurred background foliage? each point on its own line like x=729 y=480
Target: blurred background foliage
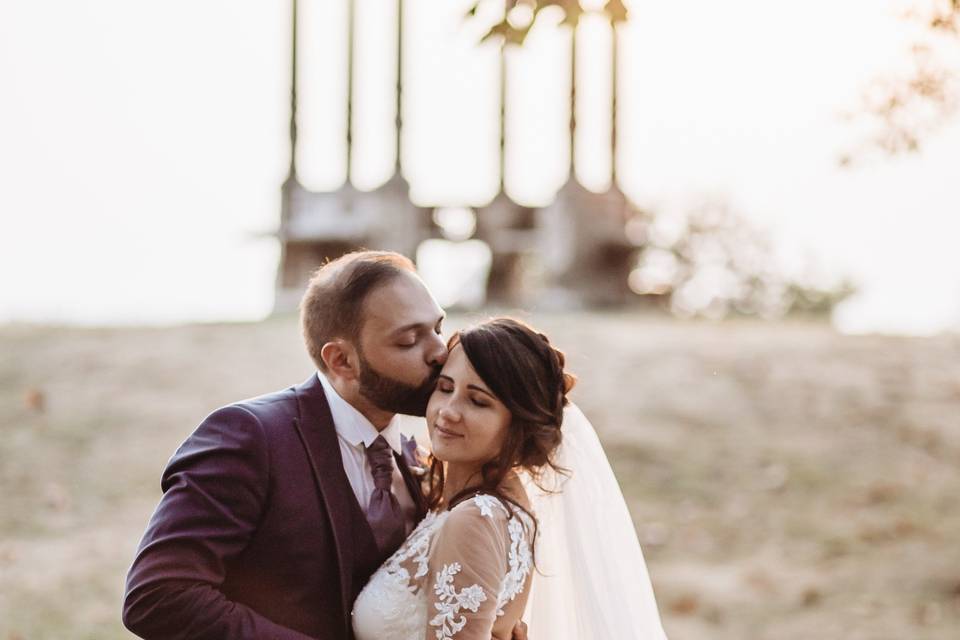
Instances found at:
x=900 y=109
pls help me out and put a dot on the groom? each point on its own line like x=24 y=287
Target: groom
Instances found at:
x=277 y=509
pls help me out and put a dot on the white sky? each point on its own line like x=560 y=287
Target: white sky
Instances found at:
x=142 y=144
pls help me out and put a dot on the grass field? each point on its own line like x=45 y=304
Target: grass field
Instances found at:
x=787 y=483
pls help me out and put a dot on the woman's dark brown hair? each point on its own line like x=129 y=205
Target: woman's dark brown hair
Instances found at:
x=526 y=373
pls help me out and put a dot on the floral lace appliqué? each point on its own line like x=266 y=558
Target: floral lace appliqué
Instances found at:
x=450 y=602
x=416 y=549
x=520 y=560
x=486 y=504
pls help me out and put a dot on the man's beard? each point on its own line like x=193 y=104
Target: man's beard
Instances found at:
x=388 y=394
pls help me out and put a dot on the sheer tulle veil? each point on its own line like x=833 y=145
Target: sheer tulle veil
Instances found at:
x=592 y=580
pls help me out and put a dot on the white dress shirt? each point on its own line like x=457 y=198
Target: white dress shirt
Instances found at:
x=355 y=433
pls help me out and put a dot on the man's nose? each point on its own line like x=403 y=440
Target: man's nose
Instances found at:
x=437 y=354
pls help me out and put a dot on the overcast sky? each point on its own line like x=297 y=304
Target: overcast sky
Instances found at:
x=142 y=144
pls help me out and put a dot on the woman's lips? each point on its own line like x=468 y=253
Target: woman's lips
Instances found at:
x=446 y=433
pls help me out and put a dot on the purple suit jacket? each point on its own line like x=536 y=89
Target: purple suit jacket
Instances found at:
x=258 y=533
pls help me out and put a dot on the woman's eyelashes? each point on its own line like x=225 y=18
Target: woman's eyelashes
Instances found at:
x=447 y=387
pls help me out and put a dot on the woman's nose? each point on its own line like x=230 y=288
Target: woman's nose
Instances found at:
x=449 y=414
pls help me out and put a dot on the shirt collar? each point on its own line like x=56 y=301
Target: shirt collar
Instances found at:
x=353 y=426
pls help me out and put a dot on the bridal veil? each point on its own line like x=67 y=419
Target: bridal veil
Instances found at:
x=592 y=581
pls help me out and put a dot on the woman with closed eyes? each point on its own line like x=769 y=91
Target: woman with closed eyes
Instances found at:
x=496 y=421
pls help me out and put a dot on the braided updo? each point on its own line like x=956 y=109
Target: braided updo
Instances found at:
x=526 y=373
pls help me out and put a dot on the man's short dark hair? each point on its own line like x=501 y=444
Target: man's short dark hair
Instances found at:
x=332 y=306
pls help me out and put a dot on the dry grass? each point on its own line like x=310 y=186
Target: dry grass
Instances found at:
x=786 y=482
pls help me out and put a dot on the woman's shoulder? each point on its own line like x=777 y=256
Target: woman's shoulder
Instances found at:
x=485 y=510
x=481 y=523
x=481 y=506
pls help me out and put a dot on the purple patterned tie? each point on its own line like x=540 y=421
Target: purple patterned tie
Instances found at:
x=383 y=513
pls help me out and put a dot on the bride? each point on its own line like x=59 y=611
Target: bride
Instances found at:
x=526 y=518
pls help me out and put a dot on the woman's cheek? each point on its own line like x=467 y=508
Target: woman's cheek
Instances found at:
x=432 y=407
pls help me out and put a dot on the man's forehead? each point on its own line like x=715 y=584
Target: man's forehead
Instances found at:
x=402 y=302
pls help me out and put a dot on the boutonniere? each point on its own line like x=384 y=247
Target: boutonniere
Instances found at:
x=415 y=456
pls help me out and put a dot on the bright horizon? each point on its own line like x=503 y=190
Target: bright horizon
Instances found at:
x=156 y=138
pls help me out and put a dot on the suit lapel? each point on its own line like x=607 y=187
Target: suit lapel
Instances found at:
x=319 y=436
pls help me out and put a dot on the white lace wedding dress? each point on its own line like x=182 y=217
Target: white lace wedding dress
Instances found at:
x=462 y=574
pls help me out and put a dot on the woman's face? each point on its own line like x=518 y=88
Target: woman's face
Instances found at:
x=466 y=422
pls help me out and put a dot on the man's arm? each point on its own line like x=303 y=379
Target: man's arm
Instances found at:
x=214 y=489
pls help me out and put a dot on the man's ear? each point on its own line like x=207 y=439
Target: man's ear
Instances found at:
x=340 y=358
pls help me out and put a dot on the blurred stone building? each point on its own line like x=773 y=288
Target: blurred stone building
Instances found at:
x=573 y=252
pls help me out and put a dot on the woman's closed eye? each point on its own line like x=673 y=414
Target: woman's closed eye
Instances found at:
x=447 y=388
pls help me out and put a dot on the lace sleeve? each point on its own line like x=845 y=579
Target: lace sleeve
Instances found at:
x=468 y=564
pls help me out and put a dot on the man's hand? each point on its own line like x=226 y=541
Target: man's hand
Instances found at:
x=520 y=631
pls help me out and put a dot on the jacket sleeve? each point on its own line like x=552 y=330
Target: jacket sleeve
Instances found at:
x=214 y=489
